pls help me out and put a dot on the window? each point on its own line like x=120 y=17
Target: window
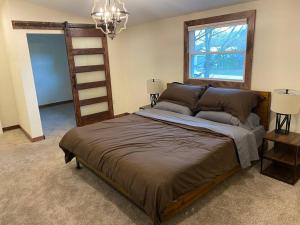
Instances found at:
x=219 y=50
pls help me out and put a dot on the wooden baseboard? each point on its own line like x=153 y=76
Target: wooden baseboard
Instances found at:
x=11 y=128
x=36 y=139
x=55 y=104
x=121 y=115
x=5 y=129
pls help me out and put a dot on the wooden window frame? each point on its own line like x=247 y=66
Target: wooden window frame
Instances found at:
x=250 y=16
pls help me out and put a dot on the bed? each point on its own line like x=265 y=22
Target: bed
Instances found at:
x=163 y=161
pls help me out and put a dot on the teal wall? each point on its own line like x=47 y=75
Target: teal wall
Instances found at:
x=50 y=67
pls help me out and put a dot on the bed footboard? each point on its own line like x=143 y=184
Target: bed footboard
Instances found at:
x=178 y=205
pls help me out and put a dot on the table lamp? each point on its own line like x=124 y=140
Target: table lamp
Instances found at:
x=285 y=103
x=154 y=88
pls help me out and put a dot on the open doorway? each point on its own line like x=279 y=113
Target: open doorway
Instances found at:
x=88 y=70
x=52 y=81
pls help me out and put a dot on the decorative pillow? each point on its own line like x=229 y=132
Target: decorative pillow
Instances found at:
x=238 y=103
x=172 y=107
x=181 y=94
x=251 y=123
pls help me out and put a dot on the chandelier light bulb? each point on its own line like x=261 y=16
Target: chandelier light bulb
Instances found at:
x=118 y=14
x=111 y=18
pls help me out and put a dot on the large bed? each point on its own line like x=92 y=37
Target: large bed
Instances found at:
x=162 y=161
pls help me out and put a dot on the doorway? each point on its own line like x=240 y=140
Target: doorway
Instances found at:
x=52 y=81
x=88 y=70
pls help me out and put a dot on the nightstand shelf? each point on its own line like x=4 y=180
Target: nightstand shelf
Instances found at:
x=284 y=157
x=281 y=172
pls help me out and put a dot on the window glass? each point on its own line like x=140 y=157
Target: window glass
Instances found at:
x=218 y=52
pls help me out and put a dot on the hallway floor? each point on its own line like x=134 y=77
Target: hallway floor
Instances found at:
x=57 y=120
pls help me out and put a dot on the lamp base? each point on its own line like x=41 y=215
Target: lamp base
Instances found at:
x=283 y=123
x=153 y=99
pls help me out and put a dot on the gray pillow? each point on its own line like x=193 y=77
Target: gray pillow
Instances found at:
x=172 y=107
x=237 y=102
x=251 y=122
x=183 y=94
x=220 y=117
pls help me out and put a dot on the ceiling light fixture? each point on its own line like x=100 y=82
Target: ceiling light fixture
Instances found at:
x=111 y=18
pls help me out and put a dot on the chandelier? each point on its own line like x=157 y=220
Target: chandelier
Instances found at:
x=111 y=18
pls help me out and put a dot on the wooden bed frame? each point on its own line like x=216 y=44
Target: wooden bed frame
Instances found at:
x=263 y=110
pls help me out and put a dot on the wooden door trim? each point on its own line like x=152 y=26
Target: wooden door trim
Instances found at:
x=72 y=73
x=93 y=32
x=92 y=101
x=86 y=69
x=90 y=85
x=89 y=119
x=89 y=51
x=107 y=77
x=39 y=25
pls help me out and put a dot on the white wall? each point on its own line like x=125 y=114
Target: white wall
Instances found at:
x=8 y=108
x=156 y=49
x=1 y=131
x=50 y=67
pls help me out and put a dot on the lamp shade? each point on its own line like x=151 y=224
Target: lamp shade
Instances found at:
x=154 y=86
x=286 y=101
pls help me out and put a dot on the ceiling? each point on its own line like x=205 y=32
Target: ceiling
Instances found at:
x=142 y=11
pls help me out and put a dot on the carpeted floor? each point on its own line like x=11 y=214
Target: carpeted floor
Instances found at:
x=38 y=188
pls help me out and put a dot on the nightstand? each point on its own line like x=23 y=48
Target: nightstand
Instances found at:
x=145 y=107
x=283 y=158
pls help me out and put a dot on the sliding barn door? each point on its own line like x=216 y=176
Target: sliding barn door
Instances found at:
x=89 y=71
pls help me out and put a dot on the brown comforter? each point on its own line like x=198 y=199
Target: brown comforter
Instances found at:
x=152 y=161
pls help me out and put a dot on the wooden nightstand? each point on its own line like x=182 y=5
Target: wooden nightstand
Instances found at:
x=145 y=107
x=284 y=157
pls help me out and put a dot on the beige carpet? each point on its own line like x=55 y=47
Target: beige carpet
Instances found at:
x=38 y=188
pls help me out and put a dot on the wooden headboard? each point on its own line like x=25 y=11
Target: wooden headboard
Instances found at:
x=264 y=108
